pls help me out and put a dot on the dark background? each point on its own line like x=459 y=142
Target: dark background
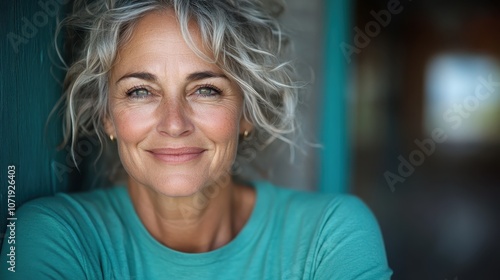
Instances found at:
x=442 y=222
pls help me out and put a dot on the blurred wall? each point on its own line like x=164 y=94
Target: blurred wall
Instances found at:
x=425 y=111
x=303 y=22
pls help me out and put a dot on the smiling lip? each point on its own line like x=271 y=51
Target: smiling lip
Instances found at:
x=177 y=155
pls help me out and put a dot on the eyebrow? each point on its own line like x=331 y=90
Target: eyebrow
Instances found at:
x=204 y=75
x=139 y=75
x=191 y=77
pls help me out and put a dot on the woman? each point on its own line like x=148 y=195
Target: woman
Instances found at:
x=177 y=86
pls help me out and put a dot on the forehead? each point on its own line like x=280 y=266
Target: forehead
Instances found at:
x=161 y=24
x=157 y=37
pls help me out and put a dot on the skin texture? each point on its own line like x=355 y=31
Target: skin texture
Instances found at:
x=176 y=119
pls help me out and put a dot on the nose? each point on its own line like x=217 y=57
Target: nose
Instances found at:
x=174 y=119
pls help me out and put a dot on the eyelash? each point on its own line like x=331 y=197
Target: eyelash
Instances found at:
x=143 y=87
x=209 y=86
x=137 y=88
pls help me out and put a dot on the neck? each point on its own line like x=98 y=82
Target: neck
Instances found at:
x=198 y=223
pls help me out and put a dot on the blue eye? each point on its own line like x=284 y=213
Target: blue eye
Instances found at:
x=138 y=93
x=207 y=91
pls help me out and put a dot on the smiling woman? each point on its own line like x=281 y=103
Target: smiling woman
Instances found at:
x=176 y=116
x=178 y=85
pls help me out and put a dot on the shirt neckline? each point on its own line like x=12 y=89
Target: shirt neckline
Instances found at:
x=243 y=240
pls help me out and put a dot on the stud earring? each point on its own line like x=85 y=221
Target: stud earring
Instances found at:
x=245 y=134
x=111 y=137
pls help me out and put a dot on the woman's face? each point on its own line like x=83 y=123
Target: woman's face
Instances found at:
x=176 y=117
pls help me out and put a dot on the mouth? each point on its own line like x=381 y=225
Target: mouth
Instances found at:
x=177 y=155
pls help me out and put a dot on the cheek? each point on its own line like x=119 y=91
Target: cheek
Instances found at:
x=220 y=123
x=133 y=123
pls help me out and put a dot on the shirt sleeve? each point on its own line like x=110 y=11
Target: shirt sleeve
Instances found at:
x=350 y=244
x=45 y=247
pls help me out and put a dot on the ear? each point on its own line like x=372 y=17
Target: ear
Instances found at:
x=245 y=125
x=109 y=127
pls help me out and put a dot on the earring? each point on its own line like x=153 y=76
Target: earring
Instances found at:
x=111 y=137
x=245 y=134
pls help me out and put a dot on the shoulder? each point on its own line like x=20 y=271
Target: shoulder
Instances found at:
x=323 y=215
x=63 y=205
x=348 y=211
x=64 y=228
x=342 y=233
x=73 y=215
x=350 y=243
x=324 y=206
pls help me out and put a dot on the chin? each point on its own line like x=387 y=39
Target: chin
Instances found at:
x=178 y=186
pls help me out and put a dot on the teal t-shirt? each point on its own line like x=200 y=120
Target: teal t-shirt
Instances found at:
x=290 y=235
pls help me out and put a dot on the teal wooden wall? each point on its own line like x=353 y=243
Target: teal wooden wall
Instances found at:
x=29 y=88
x=335 y=171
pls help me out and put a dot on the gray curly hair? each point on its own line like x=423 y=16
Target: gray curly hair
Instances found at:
x=245 y=40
